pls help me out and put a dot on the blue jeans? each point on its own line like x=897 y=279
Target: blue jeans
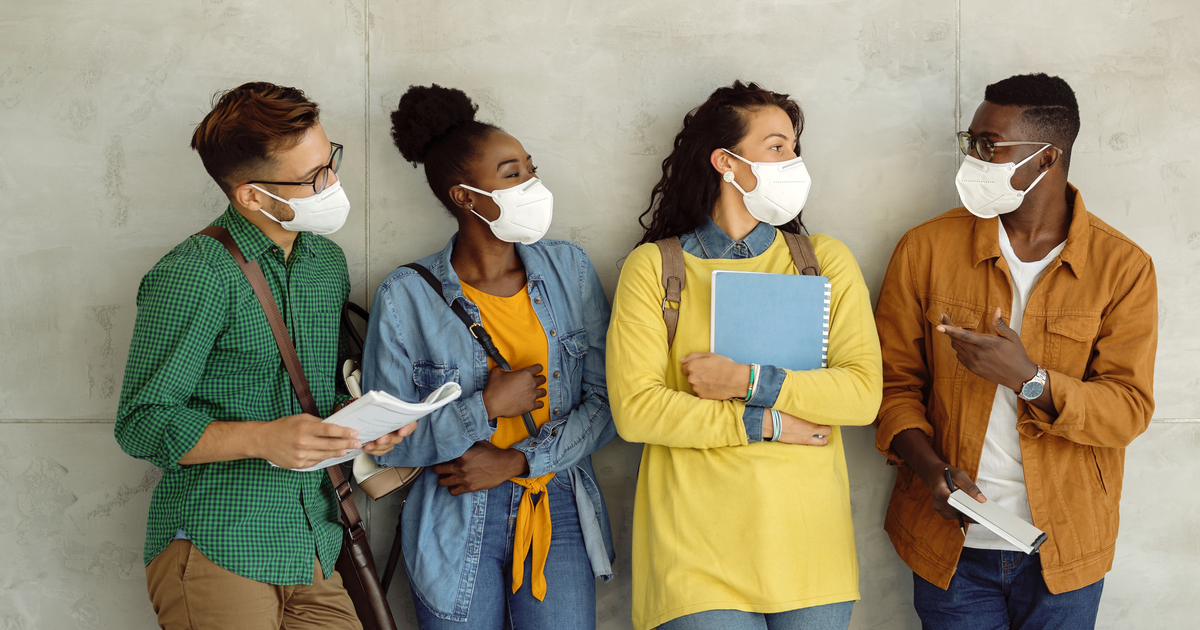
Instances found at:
x=1003 y=590
x=570 y=587
x=827 y=617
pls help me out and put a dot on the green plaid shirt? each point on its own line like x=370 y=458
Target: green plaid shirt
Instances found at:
x=202 y=350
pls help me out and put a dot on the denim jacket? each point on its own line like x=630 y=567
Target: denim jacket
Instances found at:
x=415 y=343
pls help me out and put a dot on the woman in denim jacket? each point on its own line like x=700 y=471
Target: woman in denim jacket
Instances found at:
x=495 y=493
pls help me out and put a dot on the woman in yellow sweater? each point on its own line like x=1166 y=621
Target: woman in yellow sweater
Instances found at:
x=741 y=520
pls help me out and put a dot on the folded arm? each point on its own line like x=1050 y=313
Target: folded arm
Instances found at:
x=589 y=426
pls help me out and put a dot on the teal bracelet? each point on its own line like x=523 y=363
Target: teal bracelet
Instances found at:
x=776 y=425
x=750 y=388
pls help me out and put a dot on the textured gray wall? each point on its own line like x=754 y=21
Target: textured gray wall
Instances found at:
x=98 y=99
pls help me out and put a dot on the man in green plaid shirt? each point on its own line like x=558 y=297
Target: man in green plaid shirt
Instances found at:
x=235 y=539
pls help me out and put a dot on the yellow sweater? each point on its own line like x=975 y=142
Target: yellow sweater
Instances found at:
x=719 y=523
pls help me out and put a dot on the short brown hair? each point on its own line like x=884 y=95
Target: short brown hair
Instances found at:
x=247 y=125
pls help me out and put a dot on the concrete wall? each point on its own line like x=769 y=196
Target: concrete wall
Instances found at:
x=98 y=100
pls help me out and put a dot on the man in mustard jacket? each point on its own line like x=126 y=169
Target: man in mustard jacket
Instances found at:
x=1018 y=338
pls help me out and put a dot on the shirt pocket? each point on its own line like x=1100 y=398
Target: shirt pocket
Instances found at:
x=944 y=363
x=428 y=376
x=1069 y=342
x=575 y=349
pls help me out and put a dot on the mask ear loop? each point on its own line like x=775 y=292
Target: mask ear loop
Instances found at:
x=280 y=199
x=728 y=176
x=1022 y=163
x=471 y=209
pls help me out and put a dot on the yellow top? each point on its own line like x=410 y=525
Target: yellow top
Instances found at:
x=719 y=523
x=518 y=335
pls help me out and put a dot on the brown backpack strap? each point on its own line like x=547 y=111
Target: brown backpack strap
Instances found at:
x=350 y=516
x=673 y=279
x=802 y=254
x=673 y=274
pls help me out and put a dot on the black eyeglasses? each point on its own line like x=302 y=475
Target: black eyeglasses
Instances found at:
x=984 y=148
x=321 y=179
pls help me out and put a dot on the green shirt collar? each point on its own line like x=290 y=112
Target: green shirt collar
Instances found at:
x=251 y=240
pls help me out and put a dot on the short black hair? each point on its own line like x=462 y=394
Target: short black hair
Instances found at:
x=1049 y=109
x=436 y=126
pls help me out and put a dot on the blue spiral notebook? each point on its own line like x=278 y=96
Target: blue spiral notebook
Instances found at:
x=771 y=319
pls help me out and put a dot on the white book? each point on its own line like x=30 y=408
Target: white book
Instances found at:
x=376 y=414
x=1005 y=524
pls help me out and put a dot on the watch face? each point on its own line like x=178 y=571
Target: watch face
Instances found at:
x=1031 y=390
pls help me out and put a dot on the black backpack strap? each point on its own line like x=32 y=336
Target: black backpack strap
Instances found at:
x=476 y=330
x=355 y=338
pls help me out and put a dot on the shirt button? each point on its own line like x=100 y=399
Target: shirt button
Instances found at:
x=553 y=333
x=556 y=374
x=537 y=300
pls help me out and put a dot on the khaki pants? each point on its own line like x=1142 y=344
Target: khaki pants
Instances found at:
x=190 y=592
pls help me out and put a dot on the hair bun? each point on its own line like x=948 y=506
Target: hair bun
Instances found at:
x=427 y=114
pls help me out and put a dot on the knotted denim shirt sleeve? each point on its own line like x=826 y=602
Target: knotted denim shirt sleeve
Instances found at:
x=584 y=424
x=397 y=360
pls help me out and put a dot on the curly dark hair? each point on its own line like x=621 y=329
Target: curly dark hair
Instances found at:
x=436 y=126
x=1049 y=113
x=689 y=186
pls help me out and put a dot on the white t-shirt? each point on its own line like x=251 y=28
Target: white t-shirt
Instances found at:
x=1001 y=476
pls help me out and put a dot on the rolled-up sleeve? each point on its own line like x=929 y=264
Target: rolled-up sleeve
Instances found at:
x=1113 y=402
x=180 y=311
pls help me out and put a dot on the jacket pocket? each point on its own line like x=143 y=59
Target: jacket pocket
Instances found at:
x=428 y=376
x=1070 y=341
x=575 y=349
x=944 y=364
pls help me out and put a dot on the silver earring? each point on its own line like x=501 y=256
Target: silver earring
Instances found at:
x=728 y=176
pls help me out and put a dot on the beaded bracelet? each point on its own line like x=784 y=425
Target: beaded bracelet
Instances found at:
x=753 y=381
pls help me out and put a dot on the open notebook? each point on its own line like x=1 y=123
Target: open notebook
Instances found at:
x=377 y=413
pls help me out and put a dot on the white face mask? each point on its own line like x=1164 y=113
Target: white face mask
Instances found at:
x=781 y=191
x=986 y=188
x=525 y=211
x=322 y=213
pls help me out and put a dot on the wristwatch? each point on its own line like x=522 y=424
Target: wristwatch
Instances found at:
x=1034 y=387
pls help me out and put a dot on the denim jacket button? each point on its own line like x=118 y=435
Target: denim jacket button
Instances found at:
x=556 y=410
x=553 y=333
x=537 y=300
x=556 y=373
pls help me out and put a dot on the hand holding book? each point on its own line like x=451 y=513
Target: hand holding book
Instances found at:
x=714 y=377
